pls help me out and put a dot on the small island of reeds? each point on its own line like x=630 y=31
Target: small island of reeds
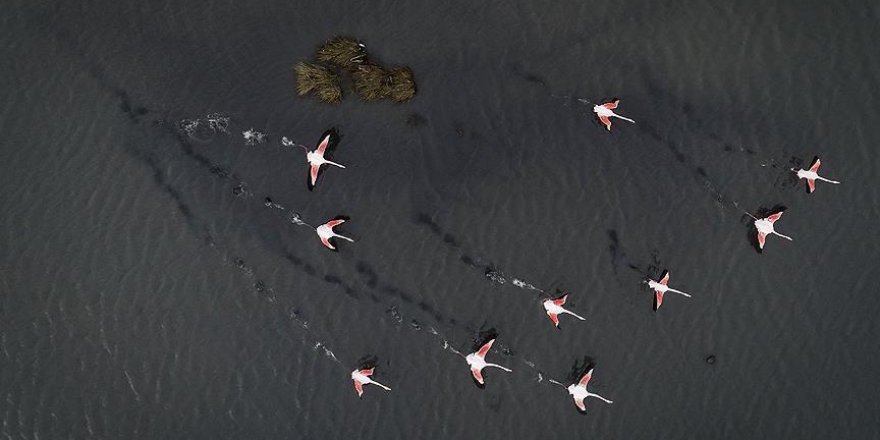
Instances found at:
x=347 y=56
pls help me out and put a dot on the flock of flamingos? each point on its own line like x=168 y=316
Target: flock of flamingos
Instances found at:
x=554 y=307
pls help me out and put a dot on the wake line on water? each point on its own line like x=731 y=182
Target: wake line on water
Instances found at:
x=784 y=177
x=295 y=218
x=199 y=128
x=492 y=273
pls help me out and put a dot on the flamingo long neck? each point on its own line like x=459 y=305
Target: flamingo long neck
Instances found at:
x=574 y=314
x=679 y=292
x=341 y=236
x=599 y=397
x=379 y=384
x=783 y=236
x=497 y=366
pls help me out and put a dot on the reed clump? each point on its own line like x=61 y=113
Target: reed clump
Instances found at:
x=402 y=84
x=342 y=52
x=317 y=79
x=370 y=80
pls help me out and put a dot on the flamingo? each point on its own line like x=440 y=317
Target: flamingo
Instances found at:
x=579 y=391
x=554 y=309
x=316 y=158
x=765 y=228
x=604 y=113
x=325 y=232
x=661 y=287
x=477 y=361
x=812 y=175
x=362 y=377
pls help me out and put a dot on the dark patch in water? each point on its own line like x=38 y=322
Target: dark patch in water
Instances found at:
x=527 y=76
x=449 y=239
x=372 y=278
x=415 y=120
x=482 y=337
x=458 y=129
x=614 y=249
x=367 y=361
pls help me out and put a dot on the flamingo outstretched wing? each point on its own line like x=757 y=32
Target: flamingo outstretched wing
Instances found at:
x=325 y=142
x=481 y=353
x=335 y=222
x=478 y=375
x=326 y=242
x=773 y=217
x=658 y=299
x=664 y=280
x=762 y=237
x=585 y=379
x=611 y=105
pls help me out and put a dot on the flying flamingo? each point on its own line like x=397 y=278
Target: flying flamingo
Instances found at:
x=661 y=287
x=554 y=309
x=604 y=113
x=579 y=391
x=361 y=378
x=316 y=158
x=812 y=175
x=477 y=362
x=765 y=228
x=325 y=232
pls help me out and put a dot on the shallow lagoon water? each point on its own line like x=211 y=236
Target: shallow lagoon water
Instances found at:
x=149 y=292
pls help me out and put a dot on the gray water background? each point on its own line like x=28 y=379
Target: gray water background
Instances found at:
x=147 y=292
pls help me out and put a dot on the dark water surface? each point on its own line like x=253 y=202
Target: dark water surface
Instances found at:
x=148 y=293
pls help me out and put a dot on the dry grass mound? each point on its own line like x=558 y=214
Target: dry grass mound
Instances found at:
x=313 y=78
x=402 y=85
x=344 y=52
x=371 y=82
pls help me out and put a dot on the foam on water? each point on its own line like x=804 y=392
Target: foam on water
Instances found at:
x=253 y=137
